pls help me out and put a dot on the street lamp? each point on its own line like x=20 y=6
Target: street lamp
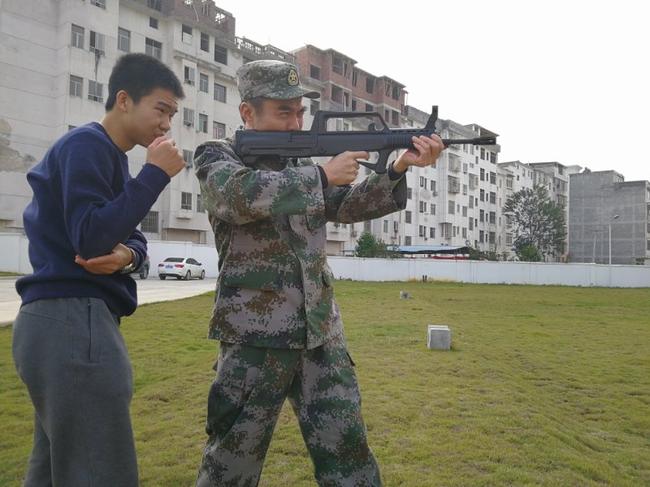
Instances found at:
x=609 y=227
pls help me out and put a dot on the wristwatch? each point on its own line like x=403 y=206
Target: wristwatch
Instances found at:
x=130 y=267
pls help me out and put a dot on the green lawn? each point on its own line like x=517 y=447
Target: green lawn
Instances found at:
x=9 y=274
x=544 y=386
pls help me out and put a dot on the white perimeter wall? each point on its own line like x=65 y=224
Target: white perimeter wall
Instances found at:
x=14 y=258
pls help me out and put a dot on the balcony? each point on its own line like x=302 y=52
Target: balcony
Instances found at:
x=257 y=51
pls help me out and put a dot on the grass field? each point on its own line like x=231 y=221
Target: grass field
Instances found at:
x=544 y=386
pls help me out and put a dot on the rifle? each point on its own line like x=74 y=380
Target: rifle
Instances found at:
x=318 y=141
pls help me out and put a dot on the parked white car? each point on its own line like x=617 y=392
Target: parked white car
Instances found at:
x=180 y=268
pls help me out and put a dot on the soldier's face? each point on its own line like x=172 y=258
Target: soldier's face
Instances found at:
x=277 y=115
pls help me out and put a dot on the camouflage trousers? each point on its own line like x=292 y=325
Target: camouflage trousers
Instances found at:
x=245 y=401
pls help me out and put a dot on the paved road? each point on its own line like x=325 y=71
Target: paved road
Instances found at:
x=149 y=291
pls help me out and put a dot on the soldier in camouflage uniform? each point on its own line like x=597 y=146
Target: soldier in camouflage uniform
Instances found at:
x=275 y=315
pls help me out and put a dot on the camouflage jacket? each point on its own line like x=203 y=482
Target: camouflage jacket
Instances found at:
x=274 y=287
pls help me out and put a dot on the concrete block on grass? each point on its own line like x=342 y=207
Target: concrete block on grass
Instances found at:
x=438 y=337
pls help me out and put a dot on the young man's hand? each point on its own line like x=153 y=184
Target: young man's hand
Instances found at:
x=427 y=150
x=119 y=257
x=343 y=169
x=163 y=153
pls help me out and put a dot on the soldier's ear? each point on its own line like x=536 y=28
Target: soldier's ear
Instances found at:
x=246 y=111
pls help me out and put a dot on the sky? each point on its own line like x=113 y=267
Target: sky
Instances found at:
x=565 y=81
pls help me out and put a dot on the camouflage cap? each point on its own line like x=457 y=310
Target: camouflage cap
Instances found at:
x=278 y=80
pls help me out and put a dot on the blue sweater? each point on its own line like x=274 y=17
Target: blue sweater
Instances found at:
x=85 y=202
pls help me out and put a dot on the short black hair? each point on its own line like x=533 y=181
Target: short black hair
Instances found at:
x=256 y=102
x=139 y=74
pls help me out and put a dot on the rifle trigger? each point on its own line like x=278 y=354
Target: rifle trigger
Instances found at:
x=367 y=164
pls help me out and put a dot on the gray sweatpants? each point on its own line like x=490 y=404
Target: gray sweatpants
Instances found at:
x=71 y=355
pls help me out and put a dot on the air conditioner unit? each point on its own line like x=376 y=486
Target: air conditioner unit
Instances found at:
x=187 y=123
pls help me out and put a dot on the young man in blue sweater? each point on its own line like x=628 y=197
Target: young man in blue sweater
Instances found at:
x=83 y=243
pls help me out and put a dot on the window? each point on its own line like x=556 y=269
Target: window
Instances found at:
x=432 y=232
x=493 y=178
x=150 y=222
x=186 y=201
x=337 y=64
x=220 y=54
x=432 y=206
x=189 y=75
x=492 y=237
x=423 y=182
x=451 y=207
x=123 y=40
x=355 y=77
x=337 y=94
x=354 y=105
x=205 y=42
x=77 y=39
x=188 y=117
x=409 y=193
x=203 y=82
x=369 y=108
x=220 y=92
x=370 y=84
x=481 y=236
x=385 y=226
x=186 y=34
x=95 y=91
x=482 y=195
x=155 y=4
x=153 y=22
x=97 y=42
x=314 y=71
x=395 y=116
x=199 y=204
x=493 y=197
x=481 y=216
x=423 y=206
x=407 y=240
x=188 y=157
x=482 y=153
x=471 y=224
x=203 y=123
x=464 y=232
x=482 y=175
x=314 y=106
x=407 y=216
x=464 y=211
x=433 y=186
x=395 y=94
x=76 y=86
x=493 y=158
x=153 y=48
x=98 y=3
x=422 y=231
x=218 y=130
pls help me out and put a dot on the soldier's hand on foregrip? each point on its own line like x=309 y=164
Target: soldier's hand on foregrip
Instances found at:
x=426 y=152
x=163 y=153
x=343 y=169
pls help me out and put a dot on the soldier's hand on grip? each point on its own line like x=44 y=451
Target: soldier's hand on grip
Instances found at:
x=163 y=153
x=343 y=169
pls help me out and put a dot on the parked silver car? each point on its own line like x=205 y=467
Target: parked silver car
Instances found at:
x=181 y=268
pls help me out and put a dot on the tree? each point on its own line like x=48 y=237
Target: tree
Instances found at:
x=369 y=246
x=539 y=226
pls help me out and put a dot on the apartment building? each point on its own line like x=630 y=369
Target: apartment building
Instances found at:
x=609 y=216
x=56 y=59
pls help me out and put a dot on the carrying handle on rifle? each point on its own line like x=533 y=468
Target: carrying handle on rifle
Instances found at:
x=319 y=125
